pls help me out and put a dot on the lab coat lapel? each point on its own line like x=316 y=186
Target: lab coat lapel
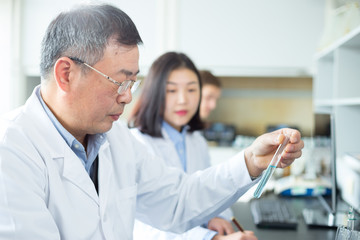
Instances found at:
x=167 y=148
x=65 y=159
x=75 y=172
x=105 y=174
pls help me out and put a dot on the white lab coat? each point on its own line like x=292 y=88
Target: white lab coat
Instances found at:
x=197 y=158
x=46 y=193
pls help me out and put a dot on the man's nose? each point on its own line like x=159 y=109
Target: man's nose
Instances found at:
x=126 y=97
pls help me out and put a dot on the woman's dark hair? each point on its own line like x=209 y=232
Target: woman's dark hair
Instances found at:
x=207 y=78
x=148 y=112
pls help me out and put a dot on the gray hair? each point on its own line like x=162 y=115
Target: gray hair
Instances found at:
x=84 y=33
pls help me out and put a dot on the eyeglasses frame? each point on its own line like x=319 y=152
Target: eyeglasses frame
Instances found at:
x=123 y=86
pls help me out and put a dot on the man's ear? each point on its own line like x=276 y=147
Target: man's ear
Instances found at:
x=62 y=69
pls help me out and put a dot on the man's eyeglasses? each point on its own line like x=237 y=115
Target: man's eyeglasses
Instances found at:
x=133 y=85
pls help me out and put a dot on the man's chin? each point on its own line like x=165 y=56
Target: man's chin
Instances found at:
x=105 y=128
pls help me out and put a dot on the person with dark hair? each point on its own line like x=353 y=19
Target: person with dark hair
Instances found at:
x=70 y=170
x=173 y=83
x=211 y=92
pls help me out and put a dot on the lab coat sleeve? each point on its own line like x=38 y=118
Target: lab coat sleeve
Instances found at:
x=170 y=200
x=201 y=161
x=227 y=214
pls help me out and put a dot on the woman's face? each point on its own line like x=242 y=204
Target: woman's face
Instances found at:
x=182 y=97
x=209 y=97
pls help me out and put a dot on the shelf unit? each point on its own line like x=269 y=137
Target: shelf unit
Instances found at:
x=337 y=92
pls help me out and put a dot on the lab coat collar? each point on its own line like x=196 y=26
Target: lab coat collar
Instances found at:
x=81 y=179
x=75 y=172
x=168 y=149
x=69 y=165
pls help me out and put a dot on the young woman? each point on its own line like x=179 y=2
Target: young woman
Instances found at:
x=166 y=119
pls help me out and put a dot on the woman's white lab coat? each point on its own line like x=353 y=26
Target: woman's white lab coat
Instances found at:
x=46 y=193
x=197 y=158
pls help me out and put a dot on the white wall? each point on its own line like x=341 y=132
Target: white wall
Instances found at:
x=229 y=37
x=257 y=37
x=8 y=55
x=221 y=35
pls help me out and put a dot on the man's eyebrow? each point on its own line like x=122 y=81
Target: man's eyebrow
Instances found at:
x=129 y=73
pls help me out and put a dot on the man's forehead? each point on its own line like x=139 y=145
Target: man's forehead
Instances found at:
x=127 y=57
x=113 y=44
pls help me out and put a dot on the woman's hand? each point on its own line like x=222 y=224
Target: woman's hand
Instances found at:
x=221 y=226
x=246 y=235
x=226 y=231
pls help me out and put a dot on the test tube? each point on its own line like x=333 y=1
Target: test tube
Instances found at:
x=271 y=168
x=351 y=219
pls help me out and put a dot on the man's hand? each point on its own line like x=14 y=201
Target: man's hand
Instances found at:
x=261 y=151
x=246 y=235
